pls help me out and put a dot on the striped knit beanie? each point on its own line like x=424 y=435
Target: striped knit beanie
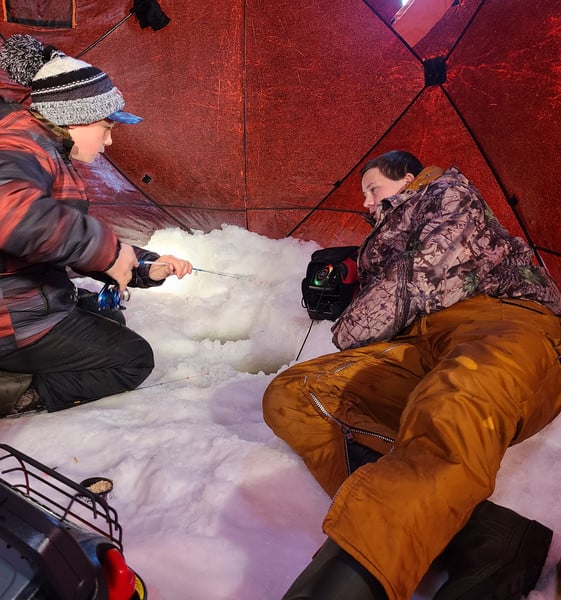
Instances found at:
x=65 y=90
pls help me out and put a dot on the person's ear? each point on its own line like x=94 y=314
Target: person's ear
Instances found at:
x=409 y=177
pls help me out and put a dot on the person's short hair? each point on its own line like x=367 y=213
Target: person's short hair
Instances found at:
x=395 y=164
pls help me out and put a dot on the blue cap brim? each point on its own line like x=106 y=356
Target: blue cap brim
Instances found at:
x=124 y=117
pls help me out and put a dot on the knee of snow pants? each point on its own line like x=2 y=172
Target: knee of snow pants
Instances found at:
x=319 y=405
x=83 y=358
x=471 y=380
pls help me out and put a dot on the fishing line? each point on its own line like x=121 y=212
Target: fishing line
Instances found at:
x=171 y=381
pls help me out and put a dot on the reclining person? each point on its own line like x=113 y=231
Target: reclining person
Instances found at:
x=450 y=353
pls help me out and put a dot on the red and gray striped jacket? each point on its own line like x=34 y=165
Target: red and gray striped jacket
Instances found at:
x=44 y=228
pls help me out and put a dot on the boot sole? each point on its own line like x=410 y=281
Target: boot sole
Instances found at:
x=508 y=582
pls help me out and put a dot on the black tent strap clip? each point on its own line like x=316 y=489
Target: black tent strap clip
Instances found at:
x=435 y=71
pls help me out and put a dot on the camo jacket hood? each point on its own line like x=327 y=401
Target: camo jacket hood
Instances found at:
x=431 y=247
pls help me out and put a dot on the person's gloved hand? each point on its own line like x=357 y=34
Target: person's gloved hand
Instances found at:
x=149 y=13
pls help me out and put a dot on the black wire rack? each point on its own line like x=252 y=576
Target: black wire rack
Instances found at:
x=63 y=498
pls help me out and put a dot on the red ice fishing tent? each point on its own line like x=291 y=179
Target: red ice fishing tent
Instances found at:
x=260 y=114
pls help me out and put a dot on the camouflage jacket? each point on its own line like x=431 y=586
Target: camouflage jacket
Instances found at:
x=431 y=247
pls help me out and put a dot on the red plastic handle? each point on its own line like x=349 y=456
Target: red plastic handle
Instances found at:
x=120 y=579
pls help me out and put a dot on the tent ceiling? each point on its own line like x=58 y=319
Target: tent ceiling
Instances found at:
x=260 y=114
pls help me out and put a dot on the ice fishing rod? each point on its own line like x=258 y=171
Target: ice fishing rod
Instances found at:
x=221 y=273
x=112 y=298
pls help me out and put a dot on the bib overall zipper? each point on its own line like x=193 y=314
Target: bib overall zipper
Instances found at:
x=347 y=430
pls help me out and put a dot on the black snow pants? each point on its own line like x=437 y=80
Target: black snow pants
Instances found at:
x=85 y=357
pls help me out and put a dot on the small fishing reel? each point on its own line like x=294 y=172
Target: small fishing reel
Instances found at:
x=111 y=297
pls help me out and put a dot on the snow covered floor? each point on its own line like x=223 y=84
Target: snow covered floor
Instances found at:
x=213 y=506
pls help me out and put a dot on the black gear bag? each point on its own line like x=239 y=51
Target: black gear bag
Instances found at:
x=331 y=282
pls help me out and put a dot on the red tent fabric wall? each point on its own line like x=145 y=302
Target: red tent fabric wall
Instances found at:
x=259 y=114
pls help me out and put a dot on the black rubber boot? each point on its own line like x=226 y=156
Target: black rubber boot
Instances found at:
x=335 y=575
x=12 y=387
x=498 y=555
